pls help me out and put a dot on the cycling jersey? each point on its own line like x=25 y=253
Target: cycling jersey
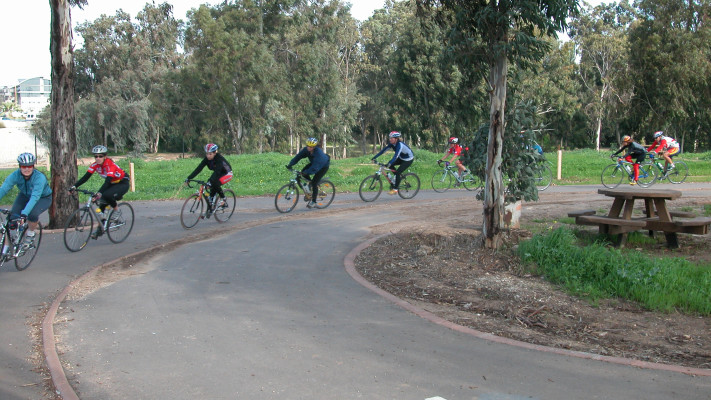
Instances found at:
x=665 y=143
x=317 y=160
x=108 y=169
x=456 y=150
x=218 y=164
x=401 y=151
x=633 y=149
x=34 y=188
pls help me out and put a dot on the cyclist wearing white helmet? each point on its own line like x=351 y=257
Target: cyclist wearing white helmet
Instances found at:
x=319 y=163
x=221 y=171
x=116 y=181
x=634 y=151
x=456 y=151
x=34 y=197
x=665 y=146
x=403 y=157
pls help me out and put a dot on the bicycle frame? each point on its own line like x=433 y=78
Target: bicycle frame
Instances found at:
x=203 y=194
x=6 y=232
x=90 y=203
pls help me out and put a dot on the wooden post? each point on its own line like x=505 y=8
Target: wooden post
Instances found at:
x=560 y=163
x=133 y=177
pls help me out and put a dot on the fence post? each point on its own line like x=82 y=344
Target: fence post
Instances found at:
x=133 y=177
x=560 y=164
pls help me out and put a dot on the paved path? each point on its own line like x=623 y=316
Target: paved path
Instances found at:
x=269 y=312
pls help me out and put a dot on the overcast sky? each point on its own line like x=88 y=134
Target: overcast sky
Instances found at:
x=24 y=27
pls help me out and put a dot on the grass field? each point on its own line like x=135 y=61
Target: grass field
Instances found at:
x=264 y=174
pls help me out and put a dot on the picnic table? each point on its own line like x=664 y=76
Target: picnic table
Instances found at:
x=619 y=220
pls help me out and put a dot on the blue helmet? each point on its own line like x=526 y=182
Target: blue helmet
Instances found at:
x=26 y=159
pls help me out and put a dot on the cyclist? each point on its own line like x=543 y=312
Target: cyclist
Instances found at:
x=456 y=151
x=116 y=181
x=403 y=157
x=667 y=146
x=634 y=151
x=319 y=163
x=34 y=197
x=221 y=172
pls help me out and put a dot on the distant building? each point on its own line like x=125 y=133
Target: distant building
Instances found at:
x=33 y=95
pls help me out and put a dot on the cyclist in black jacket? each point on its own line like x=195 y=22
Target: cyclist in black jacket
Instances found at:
x=634 y=151
x=221 y=171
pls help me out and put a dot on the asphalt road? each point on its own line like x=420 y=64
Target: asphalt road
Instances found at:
x=266 y=310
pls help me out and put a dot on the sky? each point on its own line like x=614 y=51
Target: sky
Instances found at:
x=24 y=27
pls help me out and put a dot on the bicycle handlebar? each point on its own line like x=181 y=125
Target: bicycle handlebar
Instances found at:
x=198 y=181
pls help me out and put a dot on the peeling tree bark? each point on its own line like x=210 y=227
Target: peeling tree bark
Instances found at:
x=494 y=188
x=63 y=148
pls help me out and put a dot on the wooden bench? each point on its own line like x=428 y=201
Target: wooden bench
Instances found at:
x=696 y=226
x=682 y=214
x=575 y=214
x=603 y=220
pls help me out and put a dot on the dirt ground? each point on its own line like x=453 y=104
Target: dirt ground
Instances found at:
x=438 y=266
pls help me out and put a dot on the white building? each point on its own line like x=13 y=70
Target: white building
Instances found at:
x=33 y=95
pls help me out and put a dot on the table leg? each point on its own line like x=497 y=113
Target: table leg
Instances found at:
x=663 y=213
x=649 y=211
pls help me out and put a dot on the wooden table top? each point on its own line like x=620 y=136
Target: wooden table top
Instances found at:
x=636 y=193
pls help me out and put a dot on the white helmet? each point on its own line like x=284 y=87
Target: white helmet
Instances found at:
x=394 y=134
x=99 y=149
x=658 y=134
x=26 y=159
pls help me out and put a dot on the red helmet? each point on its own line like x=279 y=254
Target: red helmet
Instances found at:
x=210 y=148
x=394 y=134
x=453 y=140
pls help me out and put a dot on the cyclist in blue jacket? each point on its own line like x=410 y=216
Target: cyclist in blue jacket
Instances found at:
x=318 y=165
x=403 y=157
x=34 y=198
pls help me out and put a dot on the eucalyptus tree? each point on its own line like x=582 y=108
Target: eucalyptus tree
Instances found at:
x=120 y=66
x=600 y=34
x=63 y=154
x=671 y=61
x=489 y=35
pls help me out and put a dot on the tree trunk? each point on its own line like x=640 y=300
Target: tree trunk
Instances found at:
x=63 y=142
x=494 y=188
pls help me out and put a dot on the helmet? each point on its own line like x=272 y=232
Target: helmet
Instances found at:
x=394 y=134
x=99 y=149
x=626 y=138
x=658 y=134
x=26 y=159
x=453 y=140
x=311 y=142
x=210 y=148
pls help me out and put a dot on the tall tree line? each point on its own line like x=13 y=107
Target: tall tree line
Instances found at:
x=260 y=75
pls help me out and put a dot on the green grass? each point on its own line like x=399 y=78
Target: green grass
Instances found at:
x=264 y=174
x=596 y=271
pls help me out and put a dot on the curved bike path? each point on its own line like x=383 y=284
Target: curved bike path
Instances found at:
x=269 y=312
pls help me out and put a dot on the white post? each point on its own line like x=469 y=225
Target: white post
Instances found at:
x=133 y=177
x=560 y=163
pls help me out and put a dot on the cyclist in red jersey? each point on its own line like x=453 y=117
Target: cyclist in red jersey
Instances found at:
x=666 y=147
x=116 y=181
x=456 y=151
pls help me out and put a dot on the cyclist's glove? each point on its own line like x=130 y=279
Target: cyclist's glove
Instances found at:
x=72 y=188
x=439 y=162
x=374 y=160
x=289 y=167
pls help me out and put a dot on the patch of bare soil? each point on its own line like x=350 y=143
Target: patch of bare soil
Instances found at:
x=440 y=267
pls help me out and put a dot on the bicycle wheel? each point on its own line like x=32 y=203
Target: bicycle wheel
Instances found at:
x=286 y=198
x=471 y=182
x=78 y=229
x=441 y=181
x=409 y=185
x=544 y=177
x=224 y=212
x=28 y=251
x=647 y=175
x=191 y=212
x=326 y=193
x=612 y=176
x=679 y=173
x=120 y=222
x=370 y=188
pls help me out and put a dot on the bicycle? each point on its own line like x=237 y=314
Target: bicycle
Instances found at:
x=22 y=252
x=678 y=174
x=288 y=195
x=612 y=174
x=543 y=177
x=442 y=180
x=371 y=187
x=192 y=211
x=117 y=223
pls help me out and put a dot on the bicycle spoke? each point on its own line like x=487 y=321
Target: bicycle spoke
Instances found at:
x=120 y=222
x=225 y=207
